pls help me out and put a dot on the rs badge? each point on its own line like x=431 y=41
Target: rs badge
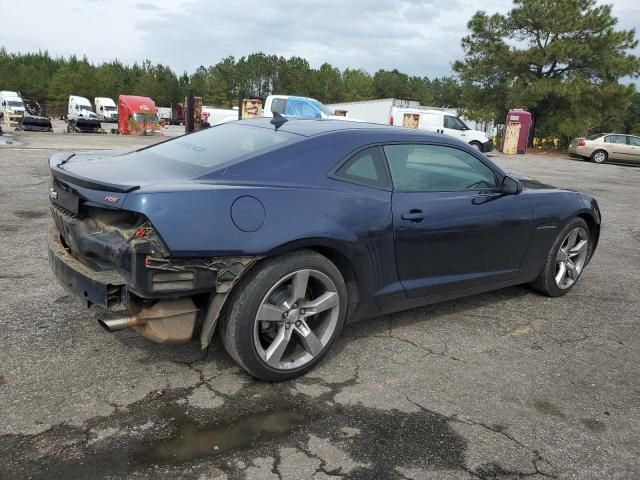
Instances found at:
x=111 y=198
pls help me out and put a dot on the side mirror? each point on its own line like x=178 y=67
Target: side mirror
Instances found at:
x=510 y=185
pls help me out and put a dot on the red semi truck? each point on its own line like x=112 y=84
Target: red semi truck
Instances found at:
x=137 y=115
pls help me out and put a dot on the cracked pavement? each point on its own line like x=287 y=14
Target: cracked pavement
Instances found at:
x=504 y=385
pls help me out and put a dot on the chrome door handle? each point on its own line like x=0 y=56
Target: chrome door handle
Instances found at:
x=413 y=215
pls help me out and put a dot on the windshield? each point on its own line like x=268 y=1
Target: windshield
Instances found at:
x=143 y=117
x=15 y=103
x=222 y=144
x=323 y=108
x=109 y=109
x=85 y=107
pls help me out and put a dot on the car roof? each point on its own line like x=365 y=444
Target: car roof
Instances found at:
x=313 y=127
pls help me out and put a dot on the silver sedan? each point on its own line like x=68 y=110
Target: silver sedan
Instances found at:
x=602 y=147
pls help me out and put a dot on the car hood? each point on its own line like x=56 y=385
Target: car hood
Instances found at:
x=533 y=184
x=117 y=170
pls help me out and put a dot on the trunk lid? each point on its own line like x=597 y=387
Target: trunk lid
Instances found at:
x=106 y=176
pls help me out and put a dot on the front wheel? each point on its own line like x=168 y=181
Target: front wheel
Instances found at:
x=566 y=260
x=284 y=316
x=476 y=146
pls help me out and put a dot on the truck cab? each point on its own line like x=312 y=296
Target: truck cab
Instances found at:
x=11 y=103
x=80 y=107
x=298 y=107
x=106 y=109
x=443 y=122
x=137 y=115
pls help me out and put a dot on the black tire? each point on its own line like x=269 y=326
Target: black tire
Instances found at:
x=545 y=283
x=599 y=156
x=236 y=327
x=477 y=146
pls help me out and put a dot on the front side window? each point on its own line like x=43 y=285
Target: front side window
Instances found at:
x=278 y=105
x=454 y=123
x=616 y=139
x=436 y=168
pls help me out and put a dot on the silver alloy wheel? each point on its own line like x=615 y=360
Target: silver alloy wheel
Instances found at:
x=571 y=257
x=296 y=319
x=599 y=157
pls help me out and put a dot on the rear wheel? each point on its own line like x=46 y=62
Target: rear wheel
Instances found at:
x=566 y=260
x=284 y=317
x=599 y=156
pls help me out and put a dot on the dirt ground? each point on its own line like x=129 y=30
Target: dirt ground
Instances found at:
x=504 y=385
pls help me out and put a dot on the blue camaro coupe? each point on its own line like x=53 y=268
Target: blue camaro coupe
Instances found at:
x=278 y=232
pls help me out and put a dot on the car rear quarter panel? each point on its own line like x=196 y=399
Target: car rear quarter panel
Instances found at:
x=356 y=222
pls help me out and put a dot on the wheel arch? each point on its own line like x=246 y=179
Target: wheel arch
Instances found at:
x=594 y=229
x=335 y=251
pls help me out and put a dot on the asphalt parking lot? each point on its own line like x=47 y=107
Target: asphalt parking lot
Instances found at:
x=503 y=385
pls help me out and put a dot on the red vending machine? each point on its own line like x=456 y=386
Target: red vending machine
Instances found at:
x=516 y=132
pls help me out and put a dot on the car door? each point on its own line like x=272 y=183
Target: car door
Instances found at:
x=454 y=127
x=617 y=147
x=634 y=148
x=453 y=230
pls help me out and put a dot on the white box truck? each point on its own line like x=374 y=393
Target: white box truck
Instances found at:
x=11 y=103
x=106 y=109
x=409 y=113
x=80 y=107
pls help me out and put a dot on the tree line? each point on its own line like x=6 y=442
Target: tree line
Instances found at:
x=50 y=81
x=563 y=60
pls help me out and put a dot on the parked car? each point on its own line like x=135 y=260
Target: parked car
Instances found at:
x=281 y=231
x=601 y=147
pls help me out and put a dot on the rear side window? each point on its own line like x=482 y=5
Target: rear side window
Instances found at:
x=435 y=168
x=223 y=144
x=366 y=168
x=616 y=139
x=635 y=141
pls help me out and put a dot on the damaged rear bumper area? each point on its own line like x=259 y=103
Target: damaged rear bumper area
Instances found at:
x=122 y=268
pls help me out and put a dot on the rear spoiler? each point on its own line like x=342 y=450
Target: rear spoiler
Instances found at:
x=57 y=161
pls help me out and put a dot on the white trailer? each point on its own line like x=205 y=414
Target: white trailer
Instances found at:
x=216 y=116
x=106 y=109
x=164 y=113
x=376 y=111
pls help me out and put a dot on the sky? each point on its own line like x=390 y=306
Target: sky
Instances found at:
x=418 y=37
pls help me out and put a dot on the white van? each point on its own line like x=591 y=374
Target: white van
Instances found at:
x=106 y=109
x=409 y=113
x=80 y=107
x=11 y=102
x=444 y=122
